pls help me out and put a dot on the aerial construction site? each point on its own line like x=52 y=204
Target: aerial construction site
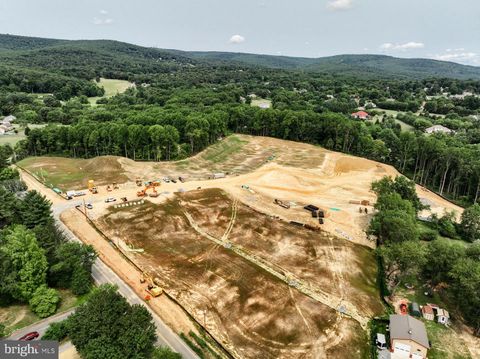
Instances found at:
x=258 y=244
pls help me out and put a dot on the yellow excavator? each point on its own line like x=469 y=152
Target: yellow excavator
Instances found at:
x=152 y=289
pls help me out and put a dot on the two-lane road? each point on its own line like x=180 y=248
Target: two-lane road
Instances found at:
x=102 y=274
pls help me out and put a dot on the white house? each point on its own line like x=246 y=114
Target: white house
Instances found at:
x=438 y=129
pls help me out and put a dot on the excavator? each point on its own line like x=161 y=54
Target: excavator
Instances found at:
x=152 y=289
x=151 y=185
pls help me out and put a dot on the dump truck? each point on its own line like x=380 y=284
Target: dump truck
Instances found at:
x=282 y=203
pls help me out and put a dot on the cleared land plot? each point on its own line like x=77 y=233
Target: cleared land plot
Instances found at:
x=252 y=313
x=335 y=265
x=67 y=174
x=262 y=103
x=112 y=87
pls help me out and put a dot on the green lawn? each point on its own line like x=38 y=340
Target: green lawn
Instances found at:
x=13 y=138
x=222 y=150
x=19 y=315
x=392 y=113
x=112 y=87
x=260 y=102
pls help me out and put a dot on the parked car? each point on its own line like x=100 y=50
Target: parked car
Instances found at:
x=30 y=336
x=173 y=180
x=89 y=206
x=381 y=341
x=110 y=199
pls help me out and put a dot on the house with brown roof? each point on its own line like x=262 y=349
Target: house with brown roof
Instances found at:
x=427 y=312
x=362 y=115
x=408 y=337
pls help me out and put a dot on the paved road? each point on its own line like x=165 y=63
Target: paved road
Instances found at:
x=102 y=274
x=41 y=326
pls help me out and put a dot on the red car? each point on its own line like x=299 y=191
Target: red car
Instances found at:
x=30 y=336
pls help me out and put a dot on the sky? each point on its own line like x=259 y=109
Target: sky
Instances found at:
x=439 y=29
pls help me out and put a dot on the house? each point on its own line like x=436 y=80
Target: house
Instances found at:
x=427 y=312
x=9 y=118
x=408 y=337
x=438 y=129
x=362 y=115
x=443 y=317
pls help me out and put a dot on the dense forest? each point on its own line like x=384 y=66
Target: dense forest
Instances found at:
x=181 y=104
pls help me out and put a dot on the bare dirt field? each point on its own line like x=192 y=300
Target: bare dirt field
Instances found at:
x=294 y=172
x=248 y=310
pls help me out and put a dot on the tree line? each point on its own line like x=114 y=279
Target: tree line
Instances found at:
x=411 y=257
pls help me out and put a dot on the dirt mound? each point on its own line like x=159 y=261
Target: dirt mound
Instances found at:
x=353 y=164
x=103 y=164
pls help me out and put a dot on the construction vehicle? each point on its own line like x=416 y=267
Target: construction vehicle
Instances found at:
x=281 y=203
x=124 y=199
x=108 y=188
x=152 y=289
x=138 y=182
x=151 y=186
x=91 y=187
x=115 y=185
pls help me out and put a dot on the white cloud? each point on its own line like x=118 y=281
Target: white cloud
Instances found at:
x=388 y=46
x=336 y=5
x=103 y=12
x=236 y=39
x=459 y=55
x=97 y=21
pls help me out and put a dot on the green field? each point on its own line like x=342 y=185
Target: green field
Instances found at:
x=12 y=138
x=392 y=113
x=260 y=102
x=112 y=88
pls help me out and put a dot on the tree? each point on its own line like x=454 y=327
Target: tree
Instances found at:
x=44 y=301
x=402 y=261
x=8 y=207
x=56 y=331
x=442 y=255
x=108 y=327
x=401 y=185
x=27 y=260
x=470 y=223
x=72 y=266
x=165 y=353
x=36 y=210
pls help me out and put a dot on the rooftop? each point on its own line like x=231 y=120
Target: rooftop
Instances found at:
x=408 y=328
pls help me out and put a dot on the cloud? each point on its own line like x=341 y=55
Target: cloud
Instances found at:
x=103 y=12
x=97 y=21
x=339 y=5
x=388 y=46
x=236 y=39
x=459 y=55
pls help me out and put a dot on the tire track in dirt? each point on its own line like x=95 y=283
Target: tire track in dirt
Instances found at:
x=311 y=291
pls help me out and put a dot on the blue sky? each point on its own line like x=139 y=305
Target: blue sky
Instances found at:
x=441 y=29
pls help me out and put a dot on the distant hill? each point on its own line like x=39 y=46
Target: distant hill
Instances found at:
x=76 y=56
x=370 y=65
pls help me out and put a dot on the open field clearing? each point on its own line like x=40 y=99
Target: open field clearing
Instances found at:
x=249 y=310
x=112 y=87
x=262 y=103
x=267 y=169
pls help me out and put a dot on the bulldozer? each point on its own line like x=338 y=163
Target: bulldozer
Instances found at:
x=152 y=289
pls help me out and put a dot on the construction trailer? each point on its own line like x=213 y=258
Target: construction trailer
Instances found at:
x=218 y=175
x=311 y=207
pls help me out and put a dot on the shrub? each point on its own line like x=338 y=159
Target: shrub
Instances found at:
x=428 y=235
x=56 y=331
x=44 y=301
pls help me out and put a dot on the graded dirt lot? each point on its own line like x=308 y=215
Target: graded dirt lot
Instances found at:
x=294 y=172
x=250 y=311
